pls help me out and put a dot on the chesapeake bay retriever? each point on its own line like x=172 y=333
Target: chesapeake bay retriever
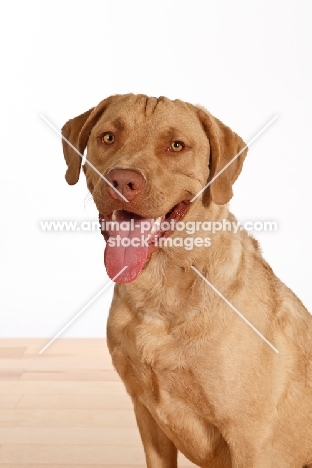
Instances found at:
x=201 y=380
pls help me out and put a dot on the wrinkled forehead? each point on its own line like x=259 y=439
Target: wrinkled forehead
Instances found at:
x=140 y=111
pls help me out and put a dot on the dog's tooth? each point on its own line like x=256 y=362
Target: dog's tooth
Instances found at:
x=113 y=215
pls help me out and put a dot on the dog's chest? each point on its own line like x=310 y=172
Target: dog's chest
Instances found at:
x=162 y=384
x=147 y=372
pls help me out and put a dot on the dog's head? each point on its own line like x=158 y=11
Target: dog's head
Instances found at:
x=146 y=160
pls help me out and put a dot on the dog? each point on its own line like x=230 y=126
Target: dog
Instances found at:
x=201 y=380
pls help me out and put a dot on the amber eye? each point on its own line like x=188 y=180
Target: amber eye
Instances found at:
x=176 y=146
x=108 y=138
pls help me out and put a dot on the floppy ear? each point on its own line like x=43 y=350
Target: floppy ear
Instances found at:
x=224 y=146
x=77 y=132
x=71 y=131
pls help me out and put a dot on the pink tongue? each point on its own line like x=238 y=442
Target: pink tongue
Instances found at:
x=121 y=252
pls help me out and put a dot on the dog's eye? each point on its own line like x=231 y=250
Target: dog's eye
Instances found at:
x=176 y=146
x=108 y=138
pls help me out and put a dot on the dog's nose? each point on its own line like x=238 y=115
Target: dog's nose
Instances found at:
x=129 y=183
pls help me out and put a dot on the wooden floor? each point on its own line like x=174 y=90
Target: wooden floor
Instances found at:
x=65 y=408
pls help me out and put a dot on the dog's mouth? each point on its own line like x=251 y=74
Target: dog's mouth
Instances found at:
x=131 y=239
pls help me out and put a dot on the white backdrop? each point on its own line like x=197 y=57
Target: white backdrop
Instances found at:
x=244 y=61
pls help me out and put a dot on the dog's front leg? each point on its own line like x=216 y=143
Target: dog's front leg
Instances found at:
x=160 y=452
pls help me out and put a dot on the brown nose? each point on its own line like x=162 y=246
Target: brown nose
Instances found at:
x=129 y=183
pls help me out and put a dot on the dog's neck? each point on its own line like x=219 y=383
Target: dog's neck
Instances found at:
x=221 y=263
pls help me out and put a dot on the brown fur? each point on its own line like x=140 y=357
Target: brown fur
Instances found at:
x=201 y=380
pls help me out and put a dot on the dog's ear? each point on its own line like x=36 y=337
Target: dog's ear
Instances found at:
x=224 y=146
x=71 y=131
x=77 y=131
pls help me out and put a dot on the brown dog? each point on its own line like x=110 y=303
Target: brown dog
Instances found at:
x=201 y=380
